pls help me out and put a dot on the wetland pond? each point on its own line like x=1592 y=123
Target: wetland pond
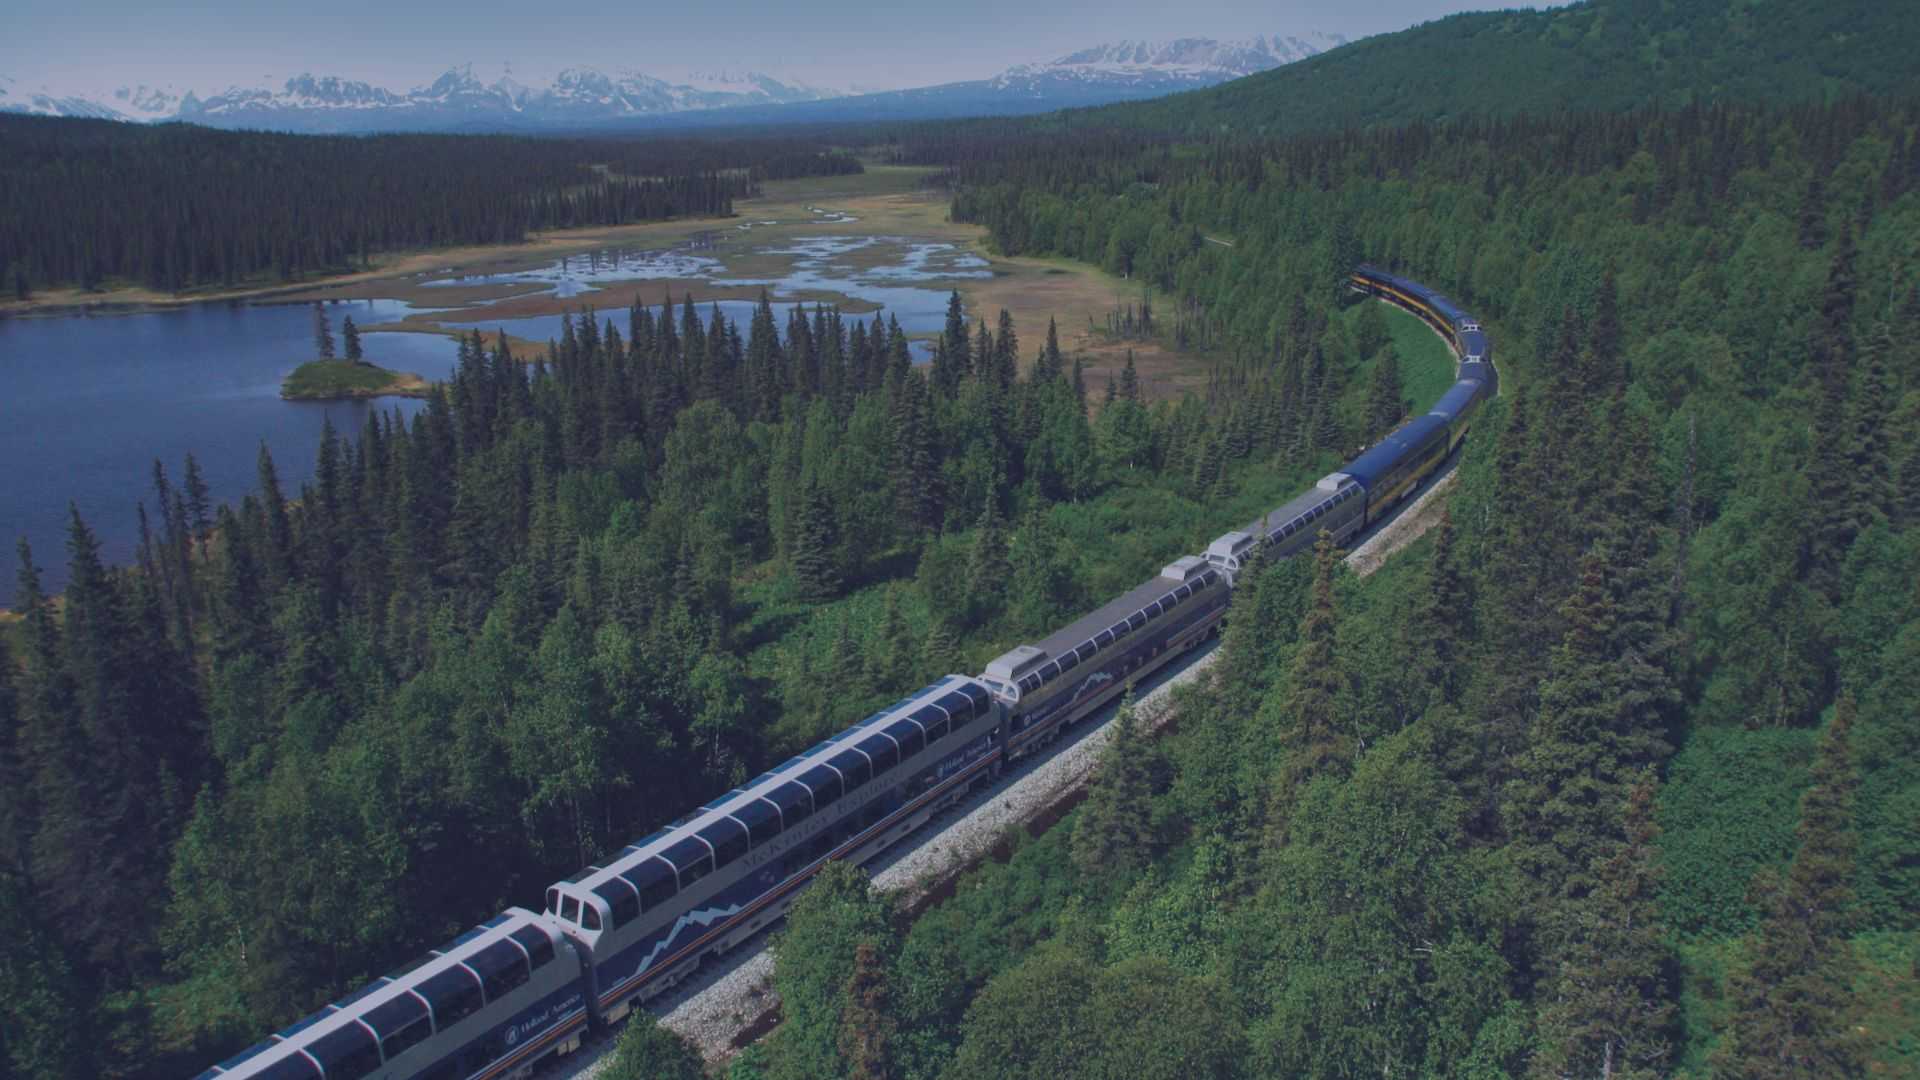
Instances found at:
x=89 y=402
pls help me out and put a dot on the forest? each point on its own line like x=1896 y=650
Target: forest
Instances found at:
x=252 y=771
x=88 y=203
x=1613 y=55
x=1614 y=773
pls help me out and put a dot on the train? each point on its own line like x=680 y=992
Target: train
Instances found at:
x=525 y=986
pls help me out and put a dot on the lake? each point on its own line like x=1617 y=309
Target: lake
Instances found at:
x=87 y=403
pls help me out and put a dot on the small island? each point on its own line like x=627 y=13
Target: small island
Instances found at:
x=332 y=380
x=328 y=379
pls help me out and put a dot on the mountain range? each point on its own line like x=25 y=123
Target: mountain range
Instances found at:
x=580 y=98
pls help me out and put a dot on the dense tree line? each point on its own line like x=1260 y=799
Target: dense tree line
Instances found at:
x=565 y=602
x=173 y=207
x=1617 y=779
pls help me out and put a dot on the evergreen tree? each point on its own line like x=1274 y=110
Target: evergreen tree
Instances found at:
x=350 y=337
x=1837 y=515
x=1793 y=1004
x=1386 y=401
x=1607 y=1007
x=816 y=554
x=1114 y=833
x=1130 y=380
x=940 y=653
x=647 y=1050
x=890 y=658
x=1869 y=460
x=1312 y=742
x=988 y=570
x=867 y=1027
x=322 y=332
x=198 y=498
x=1444 y=623
x=1563 y=808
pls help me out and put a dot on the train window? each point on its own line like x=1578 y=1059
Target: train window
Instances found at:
x=570 y=909
x=1137 y=620
x=400 y=1022
x=589 y=917
x=349 y=1053
x=538 y=945
x=911 y=739
x=762 y=821
x=695 y=870
x=1069 y=661
x=1120 y=630
x=795 y=804
x=825 y=784
x=729 y=840
x=503 y=968
x=623 y=904
x=406 y=1038
x=1050 y=672
x=1151 y=611
x=657 y=883
x=453 y=994
x=884 y=752
x=938 y=725
x=553 y=901
x=855 y=768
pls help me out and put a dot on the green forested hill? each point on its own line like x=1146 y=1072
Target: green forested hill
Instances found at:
x=1608 y=54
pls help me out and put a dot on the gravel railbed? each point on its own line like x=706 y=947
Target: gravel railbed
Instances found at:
x=1406 y=526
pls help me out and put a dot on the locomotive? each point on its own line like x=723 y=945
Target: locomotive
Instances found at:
x=524 y=986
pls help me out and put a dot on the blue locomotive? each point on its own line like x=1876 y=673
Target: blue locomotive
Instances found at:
x=524 y=986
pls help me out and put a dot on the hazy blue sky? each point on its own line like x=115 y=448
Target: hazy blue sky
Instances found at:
x=88 y=44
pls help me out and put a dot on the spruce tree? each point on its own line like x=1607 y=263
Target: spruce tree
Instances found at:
x=1114 y=833
x=1792 y=999
x=940 y=652
x=988 y=570
x=816 y=555
x=322 y=332
x=1563 y=806
x=1445 y=619
x=1869 y=460
x=1386 y=402
x=350 y=337
x=890 y=657
x=867 y=1026
x=1310 y=736
x=1130 y=380
x=1606 y=1005
x=1836 y=514
x=199 y=501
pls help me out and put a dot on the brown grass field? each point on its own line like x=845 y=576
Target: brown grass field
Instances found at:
x=886 y=200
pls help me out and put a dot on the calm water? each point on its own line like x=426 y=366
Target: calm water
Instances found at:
x=88 y=403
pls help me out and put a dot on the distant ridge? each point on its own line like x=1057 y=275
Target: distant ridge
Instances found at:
x=457 y=100
x=1603 y=55
x=584 y=99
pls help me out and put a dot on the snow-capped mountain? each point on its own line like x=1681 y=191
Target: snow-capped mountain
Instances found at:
x=1181 y=64
x=457 y=100
x=463 y=100
x=1122 y=71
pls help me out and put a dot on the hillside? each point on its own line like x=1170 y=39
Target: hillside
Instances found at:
x=1606 y=55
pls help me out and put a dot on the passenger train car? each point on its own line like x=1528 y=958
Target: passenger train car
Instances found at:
x=524 y=986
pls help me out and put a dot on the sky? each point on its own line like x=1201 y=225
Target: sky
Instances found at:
x=87 y=45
